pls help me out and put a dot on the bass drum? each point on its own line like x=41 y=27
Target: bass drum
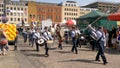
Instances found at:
x=41 y=42
x=62 y=33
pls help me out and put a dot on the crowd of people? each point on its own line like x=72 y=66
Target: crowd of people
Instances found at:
x=34 y=35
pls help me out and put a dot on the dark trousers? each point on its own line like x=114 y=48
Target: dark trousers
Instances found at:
x=31 y=40
x=101 y=52
x=78 y=42
x=74 y=47
x=25 y=37
x=46 y=47
x=93 y=44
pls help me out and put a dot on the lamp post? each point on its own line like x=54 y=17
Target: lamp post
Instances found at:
x=4 y=18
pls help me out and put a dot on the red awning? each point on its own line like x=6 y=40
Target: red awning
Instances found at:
x=71 y=23
x=114 y=17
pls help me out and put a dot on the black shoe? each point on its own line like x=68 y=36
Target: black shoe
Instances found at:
x=76 y=53
x=105 y=63
x=72 y=51
x=61 y=48
x=97 y=60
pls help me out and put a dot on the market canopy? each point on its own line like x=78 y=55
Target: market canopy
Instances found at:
x=114 y=17
x=94 y=14
x=71 y=23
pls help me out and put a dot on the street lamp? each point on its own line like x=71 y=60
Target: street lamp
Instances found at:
x=4 y=18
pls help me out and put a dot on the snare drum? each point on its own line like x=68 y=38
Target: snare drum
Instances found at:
x=41 y=42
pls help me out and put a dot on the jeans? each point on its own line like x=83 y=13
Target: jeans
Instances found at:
x=101 y=49
x=74 y=47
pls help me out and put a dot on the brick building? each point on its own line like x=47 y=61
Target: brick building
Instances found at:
x=49 y=11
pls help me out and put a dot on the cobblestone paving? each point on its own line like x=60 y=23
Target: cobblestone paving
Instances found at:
x=65 y=59
x=27 y=57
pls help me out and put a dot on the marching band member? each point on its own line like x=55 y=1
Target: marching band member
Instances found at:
x=31 y=33
x=47 y=34
x=24 y=33
x=59 y=36
x=37 y=36
x=74 y=40
x=100 y=42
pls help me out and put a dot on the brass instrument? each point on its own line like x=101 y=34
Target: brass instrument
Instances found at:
x=93 y=32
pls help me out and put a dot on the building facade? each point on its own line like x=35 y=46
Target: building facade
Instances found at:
x=32 y=12
x=70 y=10
x=1 y=10
x=104 y=6
x=28 y=0
x=16 y=12
x=84 y=11
x=49 y=11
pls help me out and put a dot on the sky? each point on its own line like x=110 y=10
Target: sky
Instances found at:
x=79 y=2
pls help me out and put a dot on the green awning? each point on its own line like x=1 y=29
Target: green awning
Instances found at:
x=93 y=14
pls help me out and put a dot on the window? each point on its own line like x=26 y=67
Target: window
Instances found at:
x=14 y=14
x=42 y=17
x=33 y=16
x=7 y=7
x=14 y=19
x=14 y=8
x=18 y=19
x=65 y=13
x=11 y=8
x=18 y=8
x=57 y=17
x=66 y=4
x=2 y=5
x=11 y=14
x=72 y=5
x=25 y=19
x=7 y=13
x=18 y=14
x=25 y=9
x=30 y=16
x=22 y=14
x=87 y=9
x=21 y=8
x=11 y=19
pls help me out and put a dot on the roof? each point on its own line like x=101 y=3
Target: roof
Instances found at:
x=94 y=14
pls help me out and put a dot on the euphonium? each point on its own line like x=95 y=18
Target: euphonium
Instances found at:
x=92 y=32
